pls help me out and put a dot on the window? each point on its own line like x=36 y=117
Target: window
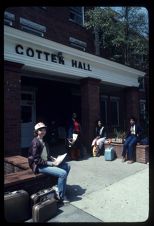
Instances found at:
x=77 y=15
x=26 y=114
x=31 y=27
x=141 y=83
x=9 y=18
x=115 y=111
x=104 y=109
x=77 y=43
x=142 y=109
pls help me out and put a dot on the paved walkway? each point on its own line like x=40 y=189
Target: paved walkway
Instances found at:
x=104 y=191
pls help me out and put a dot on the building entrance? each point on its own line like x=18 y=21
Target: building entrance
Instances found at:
x=51 y=101
x=28 y=117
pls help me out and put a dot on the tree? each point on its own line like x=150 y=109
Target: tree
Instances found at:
x=100 y=21
x=121 y=35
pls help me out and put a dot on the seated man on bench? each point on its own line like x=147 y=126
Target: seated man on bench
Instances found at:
x=133 y=136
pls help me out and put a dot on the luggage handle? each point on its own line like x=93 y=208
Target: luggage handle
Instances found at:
x=11 y=192
x=44 y=191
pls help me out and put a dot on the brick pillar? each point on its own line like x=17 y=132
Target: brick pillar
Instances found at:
x=132 y=103
x=90 y=108
x=12 y=98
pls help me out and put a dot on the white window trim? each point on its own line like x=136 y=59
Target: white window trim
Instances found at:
x=83 y=15
x=32 y=26
x=143 y=88
x=78 y=42
x=9 y=18
x=143 y=108
x=81 y=24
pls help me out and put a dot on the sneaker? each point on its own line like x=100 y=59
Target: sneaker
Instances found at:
x=130 y=161
x=63 y=201
x=123 y=159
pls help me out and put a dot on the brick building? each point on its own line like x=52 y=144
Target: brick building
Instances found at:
x=51 y=70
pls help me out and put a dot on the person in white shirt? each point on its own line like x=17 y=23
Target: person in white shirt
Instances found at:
x=133 y=136
x=100 y=137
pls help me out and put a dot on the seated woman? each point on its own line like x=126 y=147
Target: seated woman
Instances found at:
x=100 y=136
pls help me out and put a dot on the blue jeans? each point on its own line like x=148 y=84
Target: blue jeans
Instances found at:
x=128 y=147
x=61 y=172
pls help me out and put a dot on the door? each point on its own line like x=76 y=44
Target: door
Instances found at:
x=28 y=117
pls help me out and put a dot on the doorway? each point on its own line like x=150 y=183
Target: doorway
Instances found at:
x=28 y=117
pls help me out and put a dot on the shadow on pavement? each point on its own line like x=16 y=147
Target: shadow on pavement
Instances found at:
x=74 y=192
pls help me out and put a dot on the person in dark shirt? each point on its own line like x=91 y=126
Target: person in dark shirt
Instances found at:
x=132 y=137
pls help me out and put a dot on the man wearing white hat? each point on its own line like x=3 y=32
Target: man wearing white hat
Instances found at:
x=41 y=162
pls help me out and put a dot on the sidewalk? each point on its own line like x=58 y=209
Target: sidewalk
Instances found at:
x=104 y=191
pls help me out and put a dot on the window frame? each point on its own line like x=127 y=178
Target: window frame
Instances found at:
x=77 y=15
x=104 y=99
x=117 y=101
x=32 y=27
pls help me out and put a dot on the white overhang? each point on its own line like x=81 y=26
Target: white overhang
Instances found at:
x=42 y=55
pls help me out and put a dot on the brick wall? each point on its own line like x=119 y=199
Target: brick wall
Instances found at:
x=132 y=103
x=58 y=26
x=12 y=97
x=90 y=108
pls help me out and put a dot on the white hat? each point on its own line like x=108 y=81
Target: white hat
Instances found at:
x=39 y=126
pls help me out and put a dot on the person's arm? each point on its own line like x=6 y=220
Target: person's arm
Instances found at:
x=103 y=133
x=36 y=153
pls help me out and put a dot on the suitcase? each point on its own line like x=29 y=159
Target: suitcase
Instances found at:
x=17 y=206
x=109 y=154
x=42 y=195
x=45 y=210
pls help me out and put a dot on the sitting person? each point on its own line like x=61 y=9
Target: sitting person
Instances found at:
x=133 y=136
x=41 y=162
x=100 y=136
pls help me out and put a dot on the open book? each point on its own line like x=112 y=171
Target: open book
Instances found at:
x=57 y=160
x=60 y=158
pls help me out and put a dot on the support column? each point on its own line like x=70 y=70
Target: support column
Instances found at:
x=90 y=108
x=132 y=103
x=12 y=119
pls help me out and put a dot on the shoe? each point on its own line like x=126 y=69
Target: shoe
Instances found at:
x=130 y=161
x=62 y=202
x=65 y=200
x=56 y=192
x=124 y=160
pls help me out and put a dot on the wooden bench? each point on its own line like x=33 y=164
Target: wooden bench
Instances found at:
x=22 y=176
x=141 y=154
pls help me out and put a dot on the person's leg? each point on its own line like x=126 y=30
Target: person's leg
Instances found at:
x=93 y=142
x=100 y=143
x=57 y=172
x=125 y=147
x=131 y=146
x=65 y=166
